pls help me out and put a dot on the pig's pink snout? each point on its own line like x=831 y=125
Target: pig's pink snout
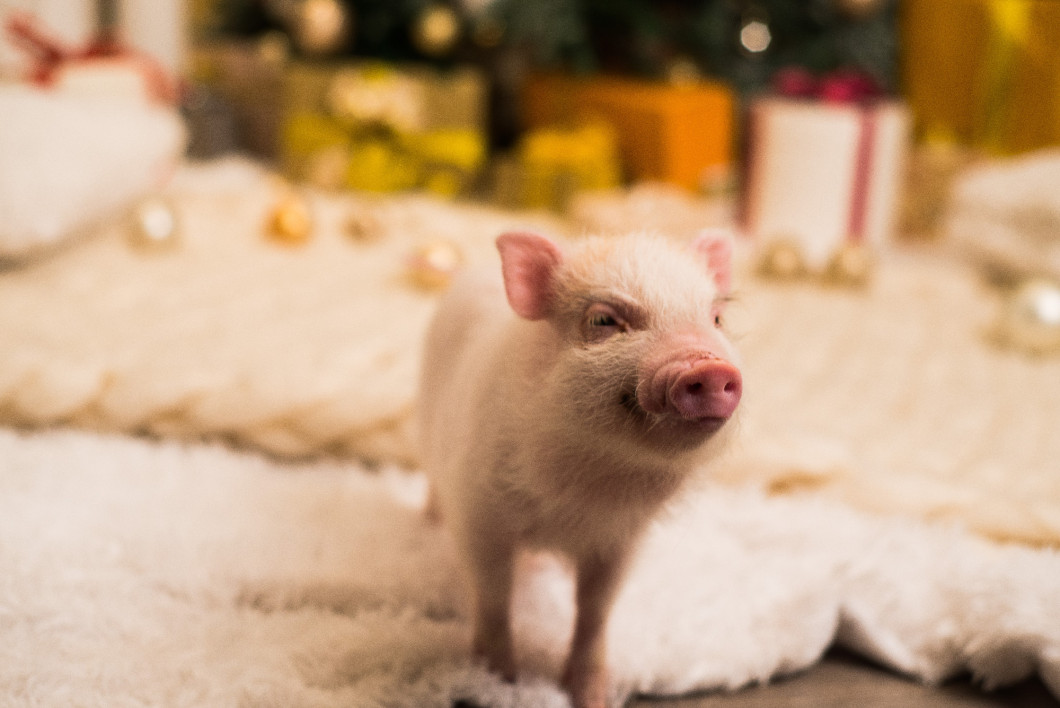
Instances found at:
x=699 y=390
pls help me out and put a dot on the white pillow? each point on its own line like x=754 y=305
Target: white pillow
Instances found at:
x=69 y=159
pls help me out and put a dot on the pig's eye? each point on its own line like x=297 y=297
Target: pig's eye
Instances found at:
x=601 y=322
x=715 y=312
x=602 y=319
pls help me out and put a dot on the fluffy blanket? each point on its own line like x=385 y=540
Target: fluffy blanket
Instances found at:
x=291 y=349
x=148 y=573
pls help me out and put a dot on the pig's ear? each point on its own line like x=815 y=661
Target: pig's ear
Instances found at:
x=529 y=263
x=714 y=246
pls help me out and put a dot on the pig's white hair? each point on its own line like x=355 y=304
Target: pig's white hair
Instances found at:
x=629 y=266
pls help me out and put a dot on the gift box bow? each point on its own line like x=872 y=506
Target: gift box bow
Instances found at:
x=842 y=86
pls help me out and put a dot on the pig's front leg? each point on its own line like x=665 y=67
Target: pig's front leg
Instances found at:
x=586 y=676
x=493 y=560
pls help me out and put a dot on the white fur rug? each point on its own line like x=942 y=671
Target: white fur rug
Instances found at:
x=147 y=573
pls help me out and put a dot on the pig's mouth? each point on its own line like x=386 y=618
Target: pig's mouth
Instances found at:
x=698 y=427
x=628 y=400
x=708 y=424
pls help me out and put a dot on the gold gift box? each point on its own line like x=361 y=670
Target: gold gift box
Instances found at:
x=984 y=73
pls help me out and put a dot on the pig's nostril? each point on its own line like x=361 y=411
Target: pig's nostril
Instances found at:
x=708 y=389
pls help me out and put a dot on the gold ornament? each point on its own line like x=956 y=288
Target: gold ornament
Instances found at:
x=850 y=266
x=274 y=48
x=377 y=93
x=488 y=33
x=155 y=225
x=363 y=226
x=321 y=27
x=290 y=220
x=859 y=9
x=432 y=265
x=1030 y=318
x=436 y=30
x=782 y=260
x=683 y=71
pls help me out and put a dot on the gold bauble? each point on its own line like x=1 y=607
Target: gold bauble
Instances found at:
x=860 y=9
x=436 y=30
x=362 y=226
x=1030 y=318
x=274 y=48
x=321 y=27
x=290 y=220
x=782 y=259
x=432 y=265
x=488 y=33
x=154 y=225
x=851 y=265
x=683 y=71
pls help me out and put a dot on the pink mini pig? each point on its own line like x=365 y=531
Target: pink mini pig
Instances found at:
x=564 y=418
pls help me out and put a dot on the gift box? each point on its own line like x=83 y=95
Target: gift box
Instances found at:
x=91 y=132
x=554 y=164
x=359 y=124
x=984 y=73
x=823 y=173
x=378 y=127
x=678 y=133
x=247 y=77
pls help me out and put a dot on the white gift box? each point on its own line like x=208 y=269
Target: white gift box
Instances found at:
x=820 y=174
x=92 y=130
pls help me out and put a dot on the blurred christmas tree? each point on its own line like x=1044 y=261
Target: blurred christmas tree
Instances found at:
x=436 y=31
x=741 y=41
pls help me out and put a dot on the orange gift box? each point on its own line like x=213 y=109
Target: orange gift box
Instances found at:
x=677 y=133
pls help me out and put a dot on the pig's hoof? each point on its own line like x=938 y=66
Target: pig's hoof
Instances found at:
x=588 y=690
x=499 y=659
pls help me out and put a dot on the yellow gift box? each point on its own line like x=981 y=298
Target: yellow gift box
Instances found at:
x=374 y=127
x=558 y=162
x=984 y=73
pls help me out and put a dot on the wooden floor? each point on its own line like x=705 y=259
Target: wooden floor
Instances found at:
x=844 y=681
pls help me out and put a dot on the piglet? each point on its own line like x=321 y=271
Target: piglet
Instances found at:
x=564 y=416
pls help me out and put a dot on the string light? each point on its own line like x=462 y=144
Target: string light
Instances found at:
x=755 y=36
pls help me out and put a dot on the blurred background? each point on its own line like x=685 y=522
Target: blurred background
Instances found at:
x=231 y=220
x=277 y=77
x=526 y=104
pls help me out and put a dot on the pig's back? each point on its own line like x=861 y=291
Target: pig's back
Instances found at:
x=475 y=298
x=460 y=353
